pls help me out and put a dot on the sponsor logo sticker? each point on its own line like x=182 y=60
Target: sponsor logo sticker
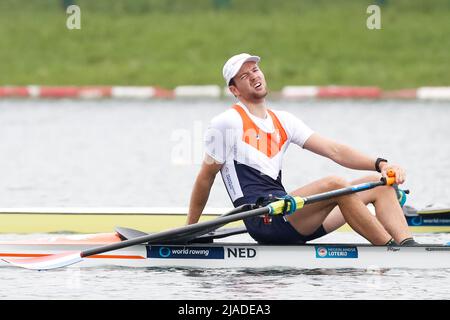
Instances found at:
x=336 y=252
x=181 y=252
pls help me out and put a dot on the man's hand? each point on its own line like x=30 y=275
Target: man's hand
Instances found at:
x=400 y=174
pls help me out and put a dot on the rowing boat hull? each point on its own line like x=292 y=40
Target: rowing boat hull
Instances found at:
x=236 y=255
x=82 y=220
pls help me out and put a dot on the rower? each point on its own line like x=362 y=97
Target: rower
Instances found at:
x=246 y=144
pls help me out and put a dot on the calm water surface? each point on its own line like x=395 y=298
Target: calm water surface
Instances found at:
x=137 y=153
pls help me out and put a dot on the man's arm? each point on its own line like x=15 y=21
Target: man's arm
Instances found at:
x=202 y=188
x=348 y=157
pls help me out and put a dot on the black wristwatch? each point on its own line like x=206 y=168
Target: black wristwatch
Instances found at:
x=377 y=163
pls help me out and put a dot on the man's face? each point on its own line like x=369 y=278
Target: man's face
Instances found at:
x=250 y=83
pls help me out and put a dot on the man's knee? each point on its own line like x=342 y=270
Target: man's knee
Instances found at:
x=336 y=182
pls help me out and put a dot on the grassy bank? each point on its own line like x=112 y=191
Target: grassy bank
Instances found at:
x=170 y=43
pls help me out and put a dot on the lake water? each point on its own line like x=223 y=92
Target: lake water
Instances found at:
x=113 y=153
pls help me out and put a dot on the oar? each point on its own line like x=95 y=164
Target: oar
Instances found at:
x=275 y=208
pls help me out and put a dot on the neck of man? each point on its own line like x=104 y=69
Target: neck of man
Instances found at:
x=256 y=107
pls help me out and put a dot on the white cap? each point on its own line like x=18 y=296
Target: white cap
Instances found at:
x=234 y=64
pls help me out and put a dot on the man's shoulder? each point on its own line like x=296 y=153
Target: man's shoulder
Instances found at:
x=228 y=118
x=284 y=116
x=292 y=122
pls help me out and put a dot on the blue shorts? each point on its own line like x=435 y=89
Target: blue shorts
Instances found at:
x=279 y=230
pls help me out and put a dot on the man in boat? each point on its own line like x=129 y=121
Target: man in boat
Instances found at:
x=246 y=144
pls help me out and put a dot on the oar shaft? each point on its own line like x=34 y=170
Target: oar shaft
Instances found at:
x=190 y=235
x=175 y=232
x=343 y=192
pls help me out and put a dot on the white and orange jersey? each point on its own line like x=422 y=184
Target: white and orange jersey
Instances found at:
x=252 y=149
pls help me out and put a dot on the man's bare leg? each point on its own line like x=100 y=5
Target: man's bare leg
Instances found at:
x=355 y=212
x=387 y=210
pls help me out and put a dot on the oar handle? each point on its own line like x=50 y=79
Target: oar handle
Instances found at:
x=390 y=180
